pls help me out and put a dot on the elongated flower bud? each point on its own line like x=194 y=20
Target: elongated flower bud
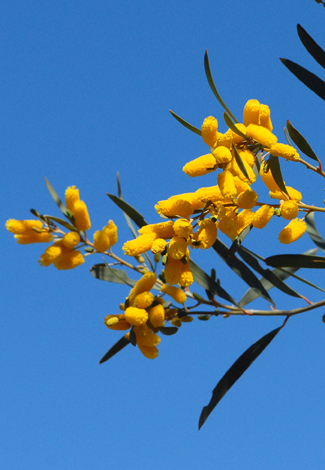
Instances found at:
x=182 y=228
x=251 y=112
x=81 y=216
x=173 y=270
x=177 y=247
x=143 y=300
x=227 y=185
x=267 y=177
x=111 y=231
x=265 y=117
x=207 y=233
x=294 y=194
x=186 y=279
x=43 y=237
x=176 y=294
x=139 y=245
x=52 y=252
x=209 y=130
x=162 y=230
x=293 y=231
x=158 y=246
x=261 y=135
x=144 y=284
x=101 y=241
x=262 y=216
x=23 y=227
x=289 y=210
x=285 y=151
x=136 y=316
x=148 y=352
x=201 y=165
x=71 y=197
x=244 y=218
x=145 y=336
x=222 y=155
x=157 y=316
x=247 y=199
x=237 y=139
x=71 y=240
x=69 y=260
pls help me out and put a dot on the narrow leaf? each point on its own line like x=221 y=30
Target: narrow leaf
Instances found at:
x=240 y=163
x=56 y=198
x=313 y=232
x=312 y=47
x=296 y=261
x=208 y=283
x=62 y=222
x=115 y=349
x=309 y=79
x=241 y=269
x=232 y=126
x=275 y=169
x=105 y=273
x=212 y=85
x=301 y=142
x=186 y=124
x=168 y=330
x=239 y=240
x=235 y=372
x=257 y=164
x=137 y=218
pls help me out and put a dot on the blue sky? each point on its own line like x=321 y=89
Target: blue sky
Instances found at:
x=85 y=92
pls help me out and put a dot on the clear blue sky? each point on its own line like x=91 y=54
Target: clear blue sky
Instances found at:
x=85 y=92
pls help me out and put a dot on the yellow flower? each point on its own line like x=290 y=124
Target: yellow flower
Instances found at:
x=81 y=216
x=149 y=352
x=267 y=177
x=237 y=139
x=52 y=252
x=210 y=193
x=241 y=186
x=23 y=227
x=182 y=228
x=144 y=284
x=34 y=237
x=285 y=151
x=261 y=135
x=244 y=218
x=136 y=316
x=143 y=300
x=117 y=322
x=207 y=233
x=293 y=231
x=111 y=231
x=175 y=206
x=176 y=294
x=69 y=260
x=251 y=112
x=265 y=117
x=236 y=171
x=209 y=130
x=158 y=246
x=71 y=240
x=227 y=185
x=173 y=270
x=145 y=337
x=186 y=278
x=247 y=156
x=177 y=247
x=162 y=230
x=201 y=165
x=101 y=241
x=222 y=155
x=289 y=210
x=225 y=140
x=139 y=245
x=71 y=197
x=247 y=199
x=262 y=216
x=157 y=316
x=228 y=225
x=294 y=194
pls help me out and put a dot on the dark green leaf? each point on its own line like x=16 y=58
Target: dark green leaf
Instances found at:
x=129 y=210
x=296 y=261
x=313 y=232
x=56 y=198
x=287 y=136
x=241 y=269
x=301 y=142
x=105 y=273
x=232 y=126
x=312 y=47
x=239 y=240
x=205 y=281
x=62 y=222
x=235 y=372
x=266 y=273
x=275 y=169
x=257 y=164
x=309 y=79
x=132 y=337
x=186 y=124
x=240 y=163
x=168 y=330
x=212 y=85
x=115 y=349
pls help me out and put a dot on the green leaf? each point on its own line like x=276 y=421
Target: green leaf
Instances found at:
x=232 y=126
x=312 y=47
x=208 y=283
x=309 y=79
x=235 y=372
x=313 y=232
x=274 y=167
x=106 y=273
x=168 y=330
x=257 y=164
x=240 y=163
x=212 y=85
x=239 y=240
x=186 y=124
x=251 y=294
x=296 y=261
x=137 y=218
x=266 y=273
x=241 y=269
x=115 y=349
x=56 y=198
x=62 y=222
x=301 y=142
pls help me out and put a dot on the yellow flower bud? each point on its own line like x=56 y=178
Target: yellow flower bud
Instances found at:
x=262 y=216
x=69 y=260
x=136 y=316
x=177 y=247
x=111 y=231
x=227 y=185
x=101 y=241
x=293 y=231
x=81 y=216
x=247 y=199
x=157 y=316
x=236 y=171
x=176 y=294
x=201 y=165
x=144 y=284
x=209 y=130
x=251 y=112
x=247 y=156
x=149 y=352
x=224 y=140
x=145 y=337
x=34 y=237
x=186 y=278
x=158 y=246
x=71 y=240
x=52 y=252
x=23 y=227
x=207 y=233
x=289 y=210
x=228 y=225
x=182 y=228
x=139 y=245
x=71 y=197
x=237 y=139
x=143 y=300
x=267 y=177
x=117 y=322
x=285 y=151
x=241 y=186
x=175 y=207
x=162 y=230
x=294 y=194
x=222 y=155
x=261 y=135
x=244 y=218
x=265 y=117
x=173 y=270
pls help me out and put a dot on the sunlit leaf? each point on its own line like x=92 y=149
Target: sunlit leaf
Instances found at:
x=275 y=169
x=240 y=163
x=312 y=47
x=115 y=349
x=212 y=85
x=241 y=269
x=56 y=198
x=309 y=79
x=235 y=372
x=296 y=261
x=137 y=218
x=186 y=124
x=232 y=126
x=301 y=142
x=205 y=281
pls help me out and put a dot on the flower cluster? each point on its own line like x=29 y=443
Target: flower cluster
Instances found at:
x=64 y=253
